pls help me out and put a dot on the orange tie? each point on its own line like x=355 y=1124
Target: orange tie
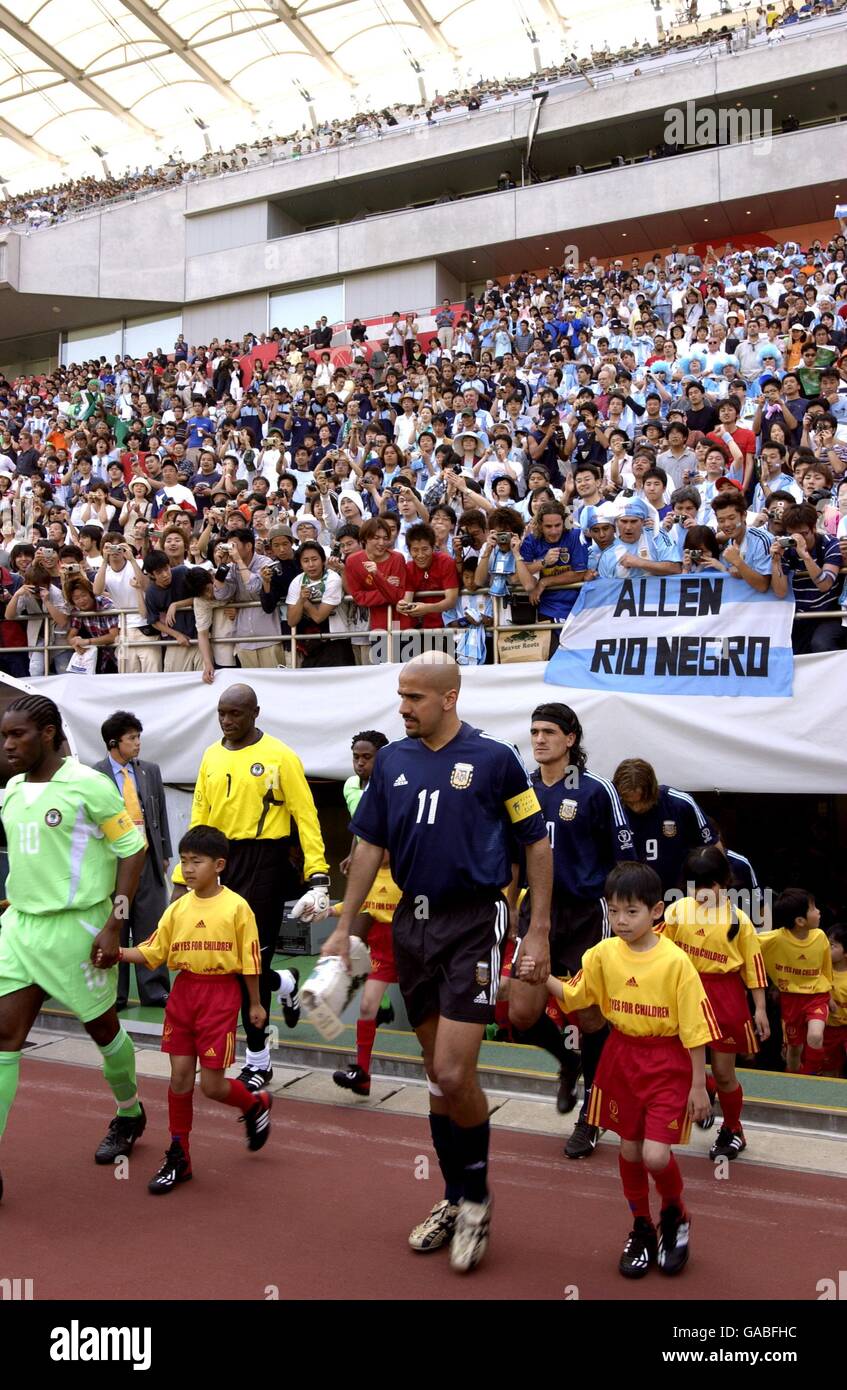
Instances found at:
x=131 y=801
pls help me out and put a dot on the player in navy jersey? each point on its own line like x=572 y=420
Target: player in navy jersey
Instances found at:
x=589 y=834
x=667 y=823
x=743 y=873
x=448 y=802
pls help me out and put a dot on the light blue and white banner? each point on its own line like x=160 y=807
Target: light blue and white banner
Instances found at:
x=676 y=635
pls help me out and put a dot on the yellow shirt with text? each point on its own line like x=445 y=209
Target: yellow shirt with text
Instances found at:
x=655 y=993
x=798 y=967
x=838 y=1003
x=702 y=932
x=206 y=936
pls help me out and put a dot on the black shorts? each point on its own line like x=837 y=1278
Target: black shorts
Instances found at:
x=261 y=872
x=448 y=963
x=575 y=926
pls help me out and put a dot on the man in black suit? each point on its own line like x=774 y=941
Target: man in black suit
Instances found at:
x=140 y=785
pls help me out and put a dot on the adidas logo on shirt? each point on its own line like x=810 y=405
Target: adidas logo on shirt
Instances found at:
x=400 y=781
x=632 y=981
x=210 y=1052
x=801 y=957
x=481 y=998
x=200 y=926
x=701 y=932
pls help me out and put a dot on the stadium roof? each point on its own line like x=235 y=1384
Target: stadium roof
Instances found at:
x=137 y=79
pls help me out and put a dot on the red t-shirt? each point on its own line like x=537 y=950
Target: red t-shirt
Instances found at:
x=745 y=440
x=441 y=574
x=373 y=590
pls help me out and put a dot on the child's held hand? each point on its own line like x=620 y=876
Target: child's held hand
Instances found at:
x=258 y=1016
x=526 y=967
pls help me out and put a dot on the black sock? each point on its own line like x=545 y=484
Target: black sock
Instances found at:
x=591 y=1046
x=444 y=1144
x=544 y=1034
x=471 y=1146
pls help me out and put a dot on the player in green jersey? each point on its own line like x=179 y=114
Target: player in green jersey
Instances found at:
x=67 y=831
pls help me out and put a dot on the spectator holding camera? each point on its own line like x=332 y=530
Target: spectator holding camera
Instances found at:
x=812 y=561
x=121 y=579
x=376 y=575
x=428 y=573
x=239 y=580
x=700 y=551
x=311 y=601
x=747 y=551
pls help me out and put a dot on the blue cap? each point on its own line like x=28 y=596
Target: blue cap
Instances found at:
x=636 y=508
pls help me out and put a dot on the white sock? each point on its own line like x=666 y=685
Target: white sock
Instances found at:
x=286 y=983
x=259 y=1061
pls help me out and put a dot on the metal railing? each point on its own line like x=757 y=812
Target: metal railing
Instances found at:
x=51 y=640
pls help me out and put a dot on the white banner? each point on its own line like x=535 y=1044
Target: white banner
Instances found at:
x=742 y=745
x=677 y=635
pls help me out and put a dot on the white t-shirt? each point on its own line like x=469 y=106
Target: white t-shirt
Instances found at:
x=118 y=585
x=332 y=595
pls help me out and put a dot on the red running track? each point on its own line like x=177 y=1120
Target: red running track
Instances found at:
x=324 y=1211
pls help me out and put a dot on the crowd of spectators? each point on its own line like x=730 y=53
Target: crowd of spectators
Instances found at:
x=688 y=414
x=70 y=198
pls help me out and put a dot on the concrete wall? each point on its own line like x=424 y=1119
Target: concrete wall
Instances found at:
x=132 y=251
x=237 y=226
x=447 y=286
x=688 y=182
x=10 y=257
x=575 y=107
x=225 y=318
x=226 y=226
x=401 y=287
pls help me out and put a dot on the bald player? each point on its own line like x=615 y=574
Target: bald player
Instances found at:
x=448 y=802
x=250 y=786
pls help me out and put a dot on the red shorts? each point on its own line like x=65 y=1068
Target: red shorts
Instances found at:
x=797 y=1011
x=728 y=998
x=381 y=947
x=201 y=1017
x=832 y=1056
x=641 y=1089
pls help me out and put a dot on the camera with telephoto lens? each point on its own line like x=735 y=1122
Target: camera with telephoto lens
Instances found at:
x=820 y=498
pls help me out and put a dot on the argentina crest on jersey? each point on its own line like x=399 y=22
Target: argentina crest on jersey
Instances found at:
x=461 y=776
x=568 y=809
x=669 y=828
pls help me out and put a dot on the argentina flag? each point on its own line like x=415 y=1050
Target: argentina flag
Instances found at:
x=676 y=635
